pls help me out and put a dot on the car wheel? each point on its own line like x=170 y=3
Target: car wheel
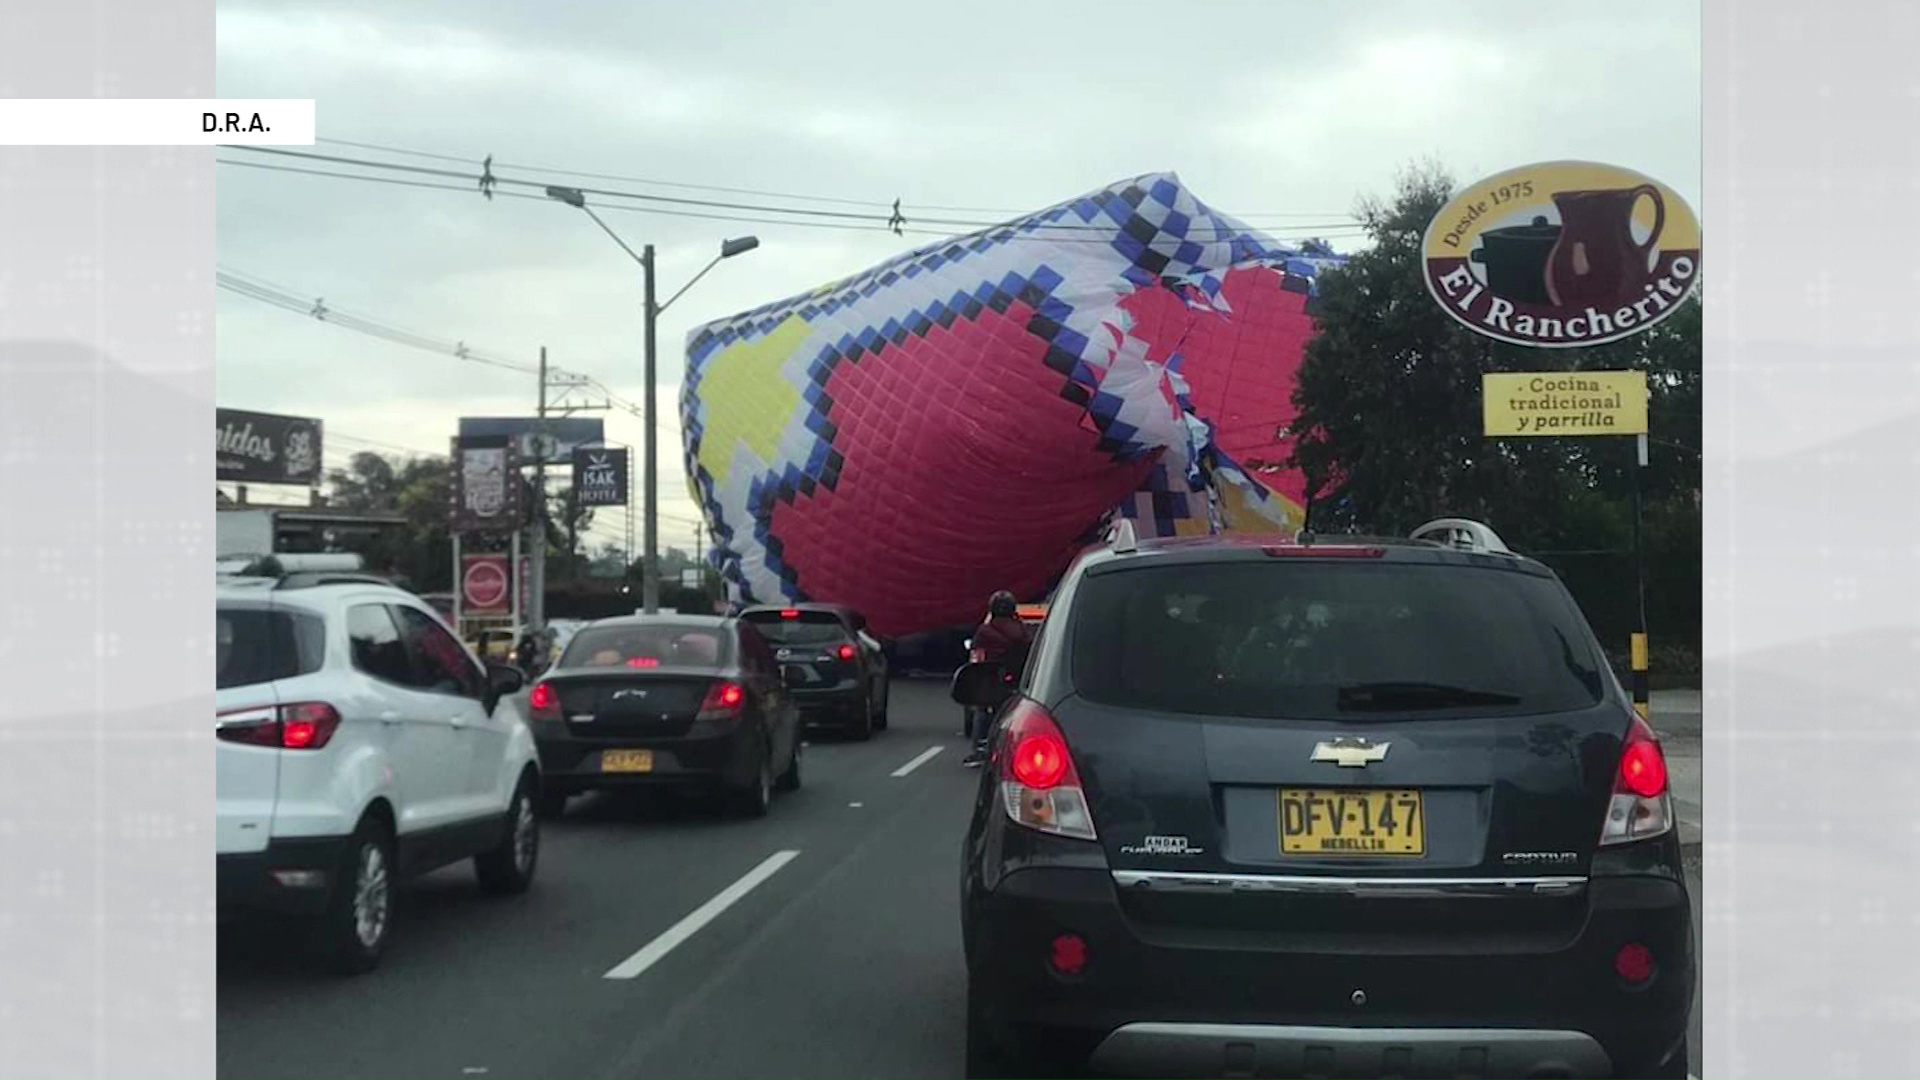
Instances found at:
x=507 y=870
x=880 y=714
x=863 y=730
x=358 y=922
x=986 y=1058
x=755 y=801
x=553 y=804
x=1677 y=1067
x=790 y=779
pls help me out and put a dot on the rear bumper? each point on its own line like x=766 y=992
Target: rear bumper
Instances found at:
x=1298 y=1050
x=699 y=758
x=841 y=706
x=1162 y=1000
x=291 y=877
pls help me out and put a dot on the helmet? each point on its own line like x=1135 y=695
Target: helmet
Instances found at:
x=1002 y=604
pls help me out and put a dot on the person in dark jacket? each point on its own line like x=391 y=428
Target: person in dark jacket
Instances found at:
x=1001 y=639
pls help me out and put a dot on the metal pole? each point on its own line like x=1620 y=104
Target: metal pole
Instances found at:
x=513 y=575
x=459 y=591
x=1638 y=654
x=650 y=569
x=538 y=592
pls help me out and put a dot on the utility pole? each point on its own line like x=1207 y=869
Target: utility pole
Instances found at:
x=650 y=569
x=538 y=617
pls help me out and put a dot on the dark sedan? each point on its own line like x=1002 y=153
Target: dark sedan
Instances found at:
x=841 y=676
x=679 y=700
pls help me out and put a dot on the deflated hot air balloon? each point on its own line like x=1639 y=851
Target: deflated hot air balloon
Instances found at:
x=966 y=417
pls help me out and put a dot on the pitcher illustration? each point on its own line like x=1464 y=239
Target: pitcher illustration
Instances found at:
x=1596 y=260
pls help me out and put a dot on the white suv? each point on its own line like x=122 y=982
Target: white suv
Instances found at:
x=359 y=745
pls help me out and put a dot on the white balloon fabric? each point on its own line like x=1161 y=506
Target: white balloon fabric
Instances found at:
x=966 y=417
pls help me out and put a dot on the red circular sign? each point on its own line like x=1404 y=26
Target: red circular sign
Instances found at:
x=485 y=584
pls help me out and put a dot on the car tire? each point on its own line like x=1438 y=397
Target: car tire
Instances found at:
x=553 y=804
x=863 y=730
x=1677 y=1067
x=880 y=713
x=756 y=800
x=790 y=779
x=357 y=925
x=507 y=869
x=986 y=1058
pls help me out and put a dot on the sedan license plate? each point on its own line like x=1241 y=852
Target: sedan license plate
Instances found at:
x=626 y=761
x=1352 y=821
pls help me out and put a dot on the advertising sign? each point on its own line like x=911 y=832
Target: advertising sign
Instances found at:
x=485 y=588
x=600 y=475
x=552 y=440
x=1563 y=254
x=263 y=448
x=486 y=485
x=1564 y=403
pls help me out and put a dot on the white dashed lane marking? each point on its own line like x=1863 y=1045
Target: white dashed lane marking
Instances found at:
x=925 y=756
x=679 y=932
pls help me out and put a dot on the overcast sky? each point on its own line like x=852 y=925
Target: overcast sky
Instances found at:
x=1281 y=111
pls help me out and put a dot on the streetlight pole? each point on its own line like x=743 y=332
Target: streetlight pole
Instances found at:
x=650 y=560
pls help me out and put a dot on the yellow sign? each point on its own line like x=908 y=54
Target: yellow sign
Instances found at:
x=1563 y=254
x=1564 y=403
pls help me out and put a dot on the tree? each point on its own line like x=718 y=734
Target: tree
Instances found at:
x=1389 y=424
x=367 y=485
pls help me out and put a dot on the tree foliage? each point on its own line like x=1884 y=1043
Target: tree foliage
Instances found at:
x=1389 y=425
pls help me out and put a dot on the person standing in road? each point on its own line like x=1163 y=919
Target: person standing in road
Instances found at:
x=1002 y=639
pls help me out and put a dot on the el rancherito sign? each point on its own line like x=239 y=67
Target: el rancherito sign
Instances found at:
x=1563 y=254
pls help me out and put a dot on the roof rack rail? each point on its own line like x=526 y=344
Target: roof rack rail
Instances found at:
x=315 y=580
x=1122 y=538
x=1463 y=535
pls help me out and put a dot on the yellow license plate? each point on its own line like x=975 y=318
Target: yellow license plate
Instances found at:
x=628 y=761
x=1352 y=821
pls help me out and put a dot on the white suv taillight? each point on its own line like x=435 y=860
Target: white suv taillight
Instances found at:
x=305 y=726
x=1642 y=804
x=1038 y=783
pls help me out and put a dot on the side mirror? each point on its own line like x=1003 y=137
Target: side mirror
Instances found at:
x=967 y=644
x=791 y=677
x=504 y=679
x=982 y=686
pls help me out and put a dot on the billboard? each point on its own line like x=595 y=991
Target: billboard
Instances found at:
x=486 y=588
x=1567 y=403
x=265 y=448
x=600 y=476
x=486 y=485
x=1563 y=255
x=558 y=436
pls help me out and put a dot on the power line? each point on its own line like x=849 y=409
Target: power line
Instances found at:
x=1340 y=232
x=757 y=192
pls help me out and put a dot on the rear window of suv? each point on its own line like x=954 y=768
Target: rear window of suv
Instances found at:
x=258 y=645
x=806 y=628
x=1332 y=640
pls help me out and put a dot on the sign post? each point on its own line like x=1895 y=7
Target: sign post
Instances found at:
x=1582 y=404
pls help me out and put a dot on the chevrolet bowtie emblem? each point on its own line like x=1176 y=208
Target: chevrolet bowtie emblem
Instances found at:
x=1350 y=753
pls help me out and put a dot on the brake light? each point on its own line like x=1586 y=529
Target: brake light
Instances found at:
x=643 y=662
x=1642 y=804
x=790 y=613
x=723 y=699
x=845 y=652
x=301 y=726
x=1323 y=551
x=1039 y=785
x=544 y=702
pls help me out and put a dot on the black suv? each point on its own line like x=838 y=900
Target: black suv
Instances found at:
x=1321 y=808
x=841 y=677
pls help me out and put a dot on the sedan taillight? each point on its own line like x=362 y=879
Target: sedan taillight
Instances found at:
x=304 y=726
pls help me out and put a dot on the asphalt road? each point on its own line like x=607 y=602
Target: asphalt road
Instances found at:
x=843 y=960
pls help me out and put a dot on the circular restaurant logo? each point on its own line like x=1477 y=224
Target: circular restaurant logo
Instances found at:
x=1562 y=254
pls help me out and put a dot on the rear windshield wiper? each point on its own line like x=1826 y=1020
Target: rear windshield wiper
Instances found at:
x=1363 y=697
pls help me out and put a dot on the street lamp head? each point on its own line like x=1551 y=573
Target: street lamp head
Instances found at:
x=730 y=248
x=570 y=196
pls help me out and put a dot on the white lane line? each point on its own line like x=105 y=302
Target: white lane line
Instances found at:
x=659 y=947
x=925 y=756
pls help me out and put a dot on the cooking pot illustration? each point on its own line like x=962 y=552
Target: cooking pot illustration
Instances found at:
x=1515 y=258
x=1596 y=260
